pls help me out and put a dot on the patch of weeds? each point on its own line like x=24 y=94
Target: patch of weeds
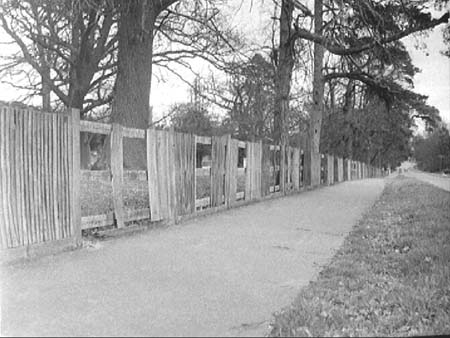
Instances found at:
x=390 y=277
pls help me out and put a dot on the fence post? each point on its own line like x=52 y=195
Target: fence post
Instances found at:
x=75 y=210
x=296 y=169
x=330 y=169
x=283 y=167
x=117 y=172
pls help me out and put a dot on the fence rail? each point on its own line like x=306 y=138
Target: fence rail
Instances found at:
x=40 y=175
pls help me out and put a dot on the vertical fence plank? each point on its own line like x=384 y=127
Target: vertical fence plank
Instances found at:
x=68 y=174
x=4 y=219
x=152 y=168
x=49 y=184
x=26 y=175
x=283 y=168
x=217 y=170
x=162 y=172
x=330 y=169
x=13 y=176
x=75 y=202
x=266 y=176
x=248 y=172
x=231 y=171
x=117 y=173
x=48 y=222
x=191 y=172
x=296 y=169
x=16 y=167
x=54 y=157
x=195 y=168
x=256 y=185
x=34 y=178
x=22 y=196
x=173 y=208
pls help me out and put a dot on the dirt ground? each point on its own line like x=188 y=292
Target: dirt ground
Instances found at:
x=220 y=275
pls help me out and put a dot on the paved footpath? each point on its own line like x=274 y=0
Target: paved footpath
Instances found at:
x=220 y=275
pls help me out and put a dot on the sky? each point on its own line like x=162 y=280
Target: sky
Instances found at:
x=433 y=81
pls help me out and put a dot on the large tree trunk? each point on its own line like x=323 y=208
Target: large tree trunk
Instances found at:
x=347 y=112
x=283 y=73
x=131 y=106
x=318 y=94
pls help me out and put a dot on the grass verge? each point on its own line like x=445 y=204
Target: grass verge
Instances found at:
x=391 y=277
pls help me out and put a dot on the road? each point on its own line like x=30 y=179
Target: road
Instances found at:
x=220 y=275
x=437 y=180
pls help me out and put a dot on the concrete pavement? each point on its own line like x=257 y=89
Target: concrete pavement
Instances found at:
x=220 y=275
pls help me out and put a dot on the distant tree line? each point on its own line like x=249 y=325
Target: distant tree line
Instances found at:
x=432 y=152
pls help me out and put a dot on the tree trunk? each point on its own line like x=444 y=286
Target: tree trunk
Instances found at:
x=131 y=106
x=347 y=112
x=318 y=94
x=283 y=73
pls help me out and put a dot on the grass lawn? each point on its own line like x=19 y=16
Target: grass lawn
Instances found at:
x=390 y=278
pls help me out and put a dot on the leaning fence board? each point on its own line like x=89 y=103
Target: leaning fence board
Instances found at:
x=161 y=168
x=231 y=171
x=117 y=173
x=184 y=152
x=266 y=170
x=253 y=173
x=218 y=170
x=152 y=168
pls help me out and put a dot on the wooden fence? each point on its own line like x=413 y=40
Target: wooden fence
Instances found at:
x=36 y=175
x=41 y=177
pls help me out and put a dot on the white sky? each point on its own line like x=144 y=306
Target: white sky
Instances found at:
x=433 y=81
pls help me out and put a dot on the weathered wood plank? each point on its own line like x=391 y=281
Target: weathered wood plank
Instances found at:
x=72 y=227
x=95 y=221
x=283 y=165
x=164 y=173
x=152 y=168
x=266 y=169
x=4 y=216
x=218 y=170
x=172 y=188
x=55 y=160
x=46 y=179
x=296 y=168
x=330 y=169
x=117 y=173
x=75 y=182
x=21 y=175
x=95 y=127
x=231 y=171
x=248 y=170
